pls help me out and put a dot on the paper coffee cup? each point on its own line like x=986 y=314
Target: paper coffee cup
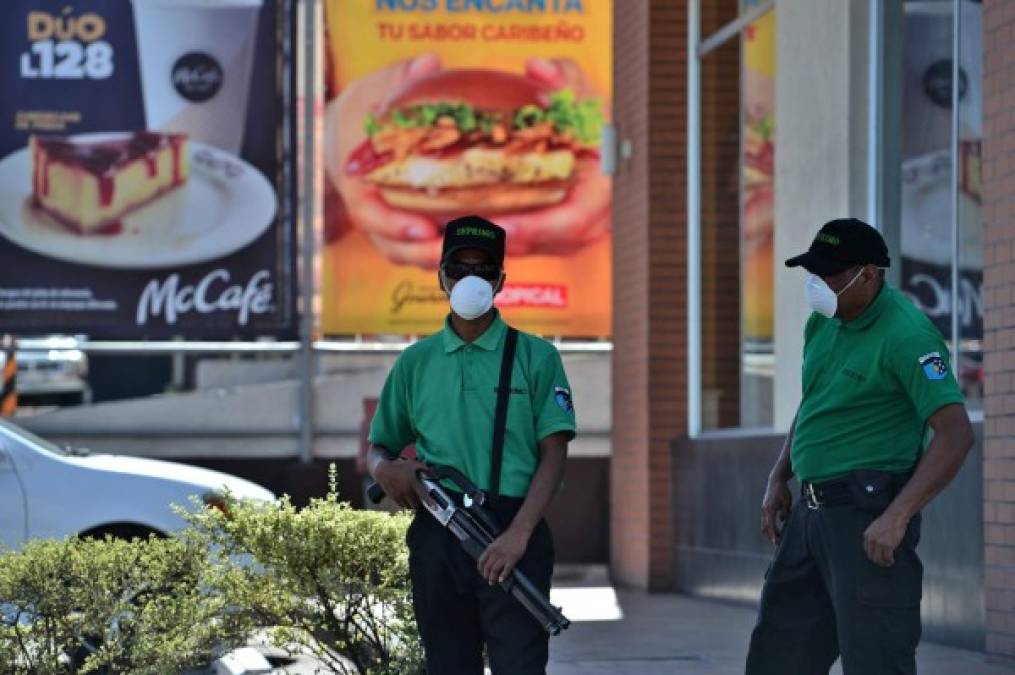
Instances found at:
x=196 y=58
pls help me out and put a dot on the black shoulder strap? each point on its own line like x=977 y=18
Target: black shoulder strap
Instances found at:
x=500 y=415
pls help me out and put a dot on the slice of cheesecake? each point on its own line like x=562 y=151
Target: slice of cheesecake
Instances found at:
x=89 y=185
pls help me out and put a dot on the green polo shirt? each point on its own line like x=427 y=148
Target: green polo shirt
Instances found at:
x=869 y=386
x=441 y=395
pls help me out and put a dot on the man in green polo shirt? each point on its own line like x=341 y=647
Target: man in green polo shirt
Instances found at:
x=846 y=579
x=441 y=395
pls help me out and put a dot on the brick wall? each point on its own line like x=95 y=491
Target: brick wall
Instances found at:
x=649 y=290
x=999 y=322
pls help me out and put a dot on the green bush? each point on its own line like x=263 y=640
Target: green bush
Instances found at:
x=328 y=579
x=80 y=606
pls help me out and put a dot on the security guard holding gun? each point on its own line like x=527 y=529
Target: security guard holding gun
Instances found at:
x=846 y=579
x=447 y=394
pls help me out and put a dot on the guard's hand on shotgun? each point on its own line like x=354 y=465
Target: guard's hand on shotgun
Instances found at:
x=398 y=479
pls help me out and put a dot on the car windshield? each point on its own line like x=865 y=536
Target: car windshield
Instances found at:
x=8 y=429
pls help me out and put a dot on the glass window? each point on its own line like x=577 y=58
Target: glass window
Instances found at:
x=757 y=221
x=927 y=186
x=936 y=226
x=737 y=229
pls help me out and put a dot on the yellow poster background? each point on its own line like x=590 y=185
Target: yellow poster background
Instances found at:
x=758 y=176
x=363 y=292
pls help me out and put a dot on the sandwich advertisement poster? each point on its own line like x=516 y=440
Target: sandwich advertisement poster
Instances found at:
x=144 y=180
x=441 y=108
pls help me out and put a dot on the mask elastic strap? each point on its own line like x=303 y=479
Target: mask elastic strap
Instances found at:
x=846 y=287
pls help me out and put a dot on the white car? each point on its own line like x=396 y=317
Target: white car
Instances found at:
x=52 y=376
x=52 y=492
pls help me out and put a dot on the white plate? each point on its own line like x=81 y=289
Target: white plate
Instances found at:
x=225 y=204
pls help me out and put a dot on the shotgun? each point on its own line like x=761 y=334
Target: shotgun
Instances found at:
x=476 y=529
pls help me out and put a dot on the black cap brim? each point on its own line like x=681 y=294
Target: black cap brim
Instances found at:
x=819 y=265
x=475 y=247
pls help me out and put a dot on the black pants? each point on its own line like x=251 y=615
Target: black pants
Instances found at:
x=824 y=598
x=458 y=612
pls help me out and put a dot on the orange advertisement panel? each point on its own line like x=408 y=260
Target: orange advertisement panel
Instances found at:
x=440 y=108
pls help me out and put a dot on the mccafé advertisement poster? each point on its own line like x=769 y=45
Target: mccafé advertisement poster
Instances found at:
x=441 y=108
x=144 y=182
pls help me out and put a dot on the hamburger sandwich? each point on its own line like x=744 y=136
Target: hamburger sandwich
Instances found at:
x=465 y=141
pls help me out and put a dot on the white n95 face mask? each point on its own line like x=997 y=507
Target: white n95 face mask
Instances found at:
x=471 y=297
x=823 y=299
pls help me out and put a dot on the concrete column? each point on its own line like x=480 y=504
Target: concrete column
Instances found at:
x=649 y=390
x=820 y=157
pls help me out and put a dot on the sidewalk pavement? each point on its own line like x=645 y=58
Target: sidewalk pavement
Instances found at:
x=624 y=632
x=636 y=633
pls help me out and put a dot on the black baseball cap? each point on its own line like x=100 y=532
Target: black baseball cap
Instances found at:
x=474 y=232
x=840 y=244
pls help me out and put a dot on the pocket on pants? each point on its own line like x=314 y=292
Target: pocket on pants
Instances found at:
x=900 y=585
x=790 y=557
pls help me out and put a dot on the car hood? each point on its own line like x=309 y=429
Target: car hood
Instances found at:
x=191 y=476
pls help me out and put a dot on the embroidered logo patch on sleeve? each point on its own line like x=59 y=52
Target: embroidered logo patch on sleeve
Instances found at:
x=933 y=366
x=563 y=398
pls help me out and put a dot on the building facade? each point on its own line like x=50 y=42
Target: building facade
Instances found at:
x=750 y=123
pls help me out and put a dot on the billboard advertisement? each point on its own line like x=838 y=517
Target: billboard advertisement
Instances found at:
x=144 y=173
x=436 y=109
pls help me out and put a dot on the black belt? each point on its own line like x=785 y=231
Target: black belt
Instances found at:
x=867 y=489
x=829 y=493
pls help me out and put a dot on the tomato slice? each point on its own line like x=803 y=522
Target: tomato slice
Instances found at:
x=365 y=159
